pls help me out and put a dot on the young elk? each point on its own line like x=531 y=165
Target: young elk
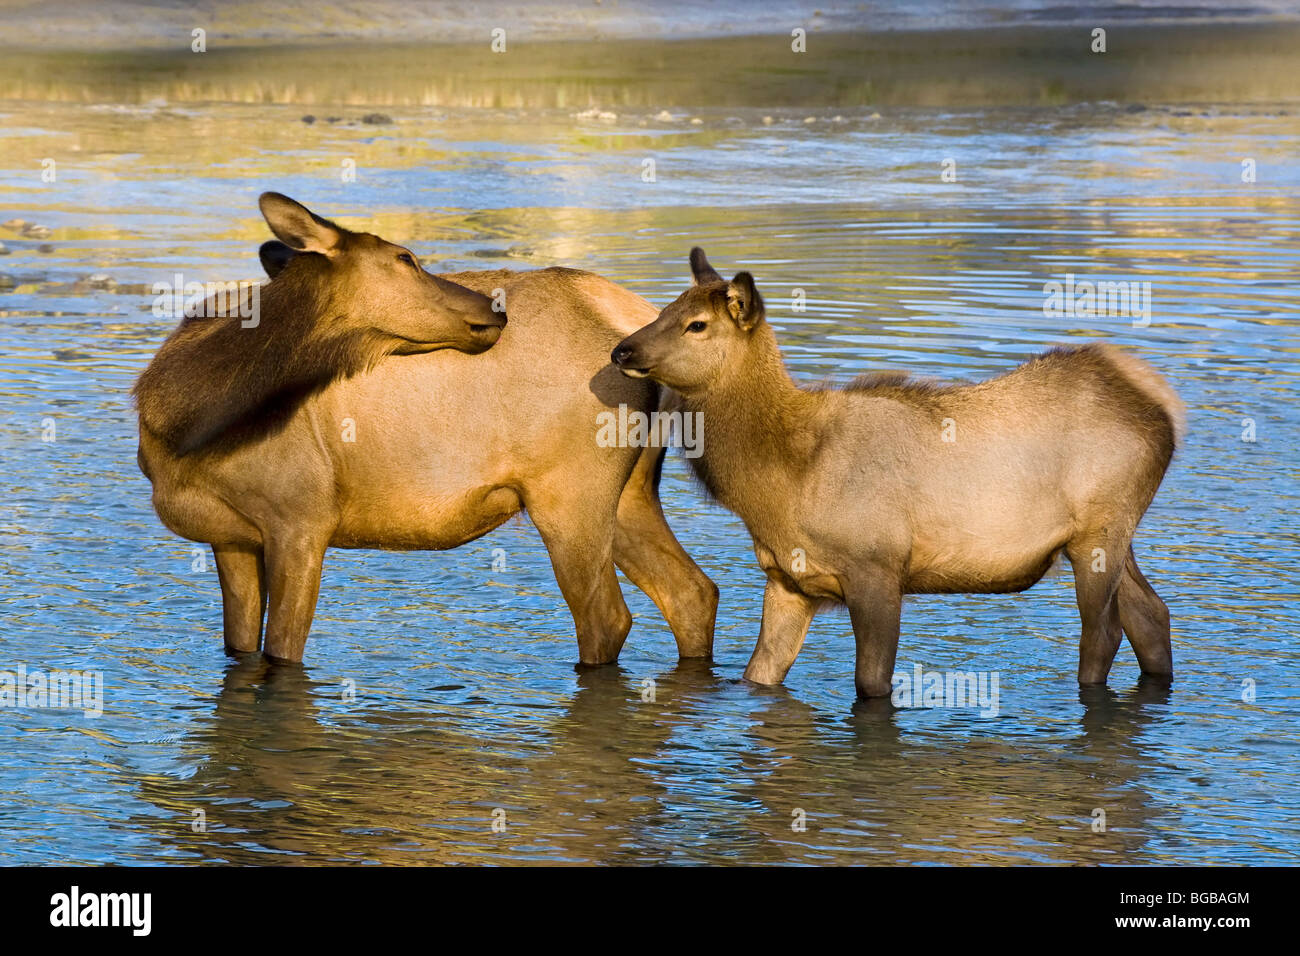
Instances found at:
x=356 y=412
x=888 y=487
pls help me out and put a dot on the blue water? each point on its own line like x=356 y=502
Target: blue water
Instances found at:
x=439 y=694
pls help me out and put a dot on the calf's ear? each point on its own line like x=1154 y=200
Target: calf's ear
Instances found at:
x=744 y=304
x=298 y=227
x=700 y=268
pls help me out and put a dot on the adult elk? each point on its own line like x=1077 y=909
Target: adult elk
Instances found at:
x=373 y=405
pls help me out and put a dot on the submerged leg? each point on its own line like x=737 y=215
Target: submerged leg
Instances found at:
x=787 y=614
x=1145 y=620
x=243 y=595
x=579 y=535
x=653 y=559
x=293 y=569
x=1098 y=565
x=875 y=600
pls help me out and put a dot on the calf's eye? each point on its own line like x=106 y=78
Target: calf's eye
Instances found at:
x=697 y=327
x=408 y=259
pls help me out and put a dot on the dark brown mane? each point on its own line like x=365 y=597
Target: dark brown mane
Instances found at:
x=213 y=379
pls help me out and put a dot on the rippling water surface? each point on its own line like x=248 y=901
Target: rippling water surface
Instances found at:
x=437 y=690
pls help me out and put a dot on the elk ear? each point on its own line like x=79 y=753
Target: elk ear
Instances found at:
x=701 y=269
x=297 y=226
x=275 y=255
x=744 y=304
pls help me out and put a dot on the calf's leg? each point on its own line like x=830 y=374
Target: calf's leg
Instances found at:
x=786 y=616
x=1098 y=564
x=1145 y=620
x=875 y=600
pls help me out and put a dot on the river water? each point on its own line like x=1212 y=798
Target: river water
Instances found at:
x=440 y=695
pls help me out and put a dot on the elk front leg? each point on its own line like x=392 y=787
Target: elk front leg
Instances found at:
x=875 y=600
x=787 y=613
x=293 y=569
x=579 y=536
x=243 y=595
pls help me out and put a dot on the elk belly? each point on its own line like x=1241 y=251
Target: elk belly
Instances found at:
x=988 y=563
x=423 y=522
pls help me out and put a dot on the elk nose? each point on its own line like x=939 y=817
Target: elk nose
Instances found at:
x=621 y=353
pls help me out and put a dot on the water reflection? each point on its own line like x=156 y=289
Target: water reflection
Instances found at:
x=284 y=771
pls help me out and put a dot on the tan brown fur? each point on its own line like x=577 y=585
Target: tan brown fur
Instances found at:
x=891 y=486
x=445 y=446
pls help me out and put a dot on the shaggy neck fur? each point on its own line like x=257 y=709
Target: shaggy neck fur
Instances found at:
x=760 y=428
x=213 y=379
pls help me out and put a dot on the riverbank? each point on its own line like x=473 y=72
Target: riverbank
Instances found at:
x=989 y=66
x=87 y=25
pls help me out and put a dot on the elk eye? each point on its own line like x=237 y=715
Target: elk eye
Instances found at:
x=697 y=327
x=408 y=259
